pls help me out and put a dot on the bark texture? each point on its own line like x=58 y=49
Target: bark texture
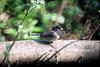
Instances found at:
x=61 y=51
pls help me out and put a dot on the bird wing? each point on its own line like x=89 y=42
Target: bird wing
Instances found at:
x=47 y=34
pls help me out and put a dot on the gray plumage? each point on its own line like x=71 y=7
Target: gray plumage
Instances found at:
x=53 y=34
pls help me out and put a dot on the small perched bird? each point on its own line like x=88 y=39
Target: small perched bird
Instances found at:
x=52 y=35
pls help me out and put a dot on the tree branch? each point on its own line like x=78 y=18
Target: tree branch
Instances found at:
x=64 y=51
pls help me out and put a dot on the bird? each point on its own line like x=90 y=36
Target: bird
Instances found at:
x=52 y=35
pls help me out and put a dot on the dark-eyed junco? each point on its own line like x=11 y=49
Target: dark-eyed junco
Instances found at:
x=52 y=35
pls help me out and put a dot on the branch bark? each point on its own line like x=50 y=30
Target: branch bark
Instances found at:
x=32 y=51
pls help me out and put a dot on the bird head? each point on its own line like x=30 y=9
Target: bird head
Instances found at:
x=57 y=28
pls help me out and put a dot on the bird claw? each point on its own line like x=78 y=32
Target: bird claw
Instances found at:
x=52 y=46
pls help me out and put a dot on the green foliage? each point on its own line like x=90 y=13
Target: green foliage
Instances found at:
x=34 y=16
x=2 y=5
x=72 y=2
x=78 y=29
x=71 y=11
x=91 y=7
x=73 y=25
x=51 y=5
x=2 y=25
x=68 y=25
x=10 y=31
x=23 y=13
x=14 y=7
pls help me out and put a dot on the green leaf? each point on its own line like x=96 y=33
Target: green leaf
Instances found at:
x=34 y=37
x=72 y=11
x=25 y=36
x=7 y=49
x=52 y=5
x=21 y=16
x=11 y=31
x=46 y=19
x=2 y=25
x=38 y=29
x=2 y=5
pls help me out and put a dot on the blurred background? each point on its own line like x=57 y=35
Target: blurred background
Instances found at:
x=79 y=18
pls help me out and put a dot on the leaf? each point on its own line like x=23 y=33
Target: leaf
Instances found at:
x=2 y=5
x=11 y=31
x=7 y=49
x=28 y=26
x=38 y=29
x=2 y=25
x=25 y=36
x=34 y=37
x=52 y=5
x=72 y=11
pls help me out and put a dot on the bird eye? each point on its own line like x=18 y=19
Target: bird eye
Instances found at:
x=57 y=28
x=61 y=28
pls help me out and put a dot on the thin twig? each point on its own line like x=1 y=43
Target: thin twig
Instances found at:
x=94 y=32
x=9 y=49
x=59 y=51
x=62 y=7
